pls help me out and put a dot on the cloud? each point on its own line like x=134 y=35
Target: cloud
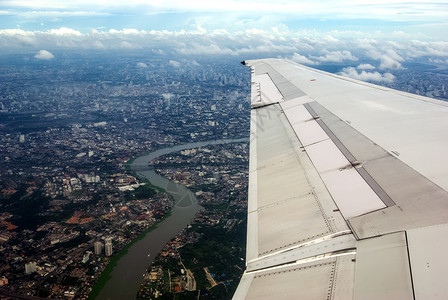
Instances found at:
x=167 y=96
x=64 y=31
x=336 y=56
x=302 y=59
x=389 y=63
x=95 y=45
x=58 y=13
x=128 y=45
x=424 y=48
x=174 y=63
x=365 y=67
x=197 y=48
x=388 y=57
x=44 y=55
x=438 y=61
x=141 y=65
x=367 y=76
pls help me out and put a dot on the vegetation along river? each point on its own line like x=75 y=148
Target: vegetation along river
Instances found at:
x=126 y=276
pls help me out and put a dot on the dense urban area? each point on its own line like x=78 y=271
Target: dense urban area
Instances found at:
x=69 y=200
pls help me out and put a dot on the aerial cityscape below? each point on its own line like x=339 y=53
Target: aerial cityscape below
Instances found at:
x=69 y=199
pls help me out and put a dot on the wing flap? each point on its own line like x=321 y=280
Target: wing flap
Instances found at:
x=382 y=268
x=284 y=207
x=264 y=91
x=427 y=251
x=322 y=278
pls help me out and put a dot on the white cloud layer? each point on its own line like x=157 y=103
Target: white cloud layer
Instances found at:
x=44 y=55
x=309 y=48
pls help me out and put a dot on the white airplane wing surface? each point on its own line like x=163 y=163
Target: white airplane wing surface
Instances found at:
x=348 y=189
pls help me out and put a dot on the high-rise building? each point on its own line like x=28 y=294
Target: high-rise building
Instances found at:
x=86 y=257
x=30 y=268
x=108 y=247
x=98 y=247
x=22 y=138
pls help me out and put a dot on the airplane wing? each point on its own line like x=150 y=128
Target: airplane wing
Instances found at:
x=348 y=189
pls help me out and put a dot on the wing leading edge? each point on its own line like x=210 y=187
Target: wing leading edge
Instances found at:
x=347 y=189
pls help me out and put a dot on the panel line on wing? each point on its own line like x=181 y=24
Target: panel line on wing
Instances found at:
x=306 y=244
x=330 y=133
x=349 y=190
x=410 y=263
x=314 y=259
x=351 y=158
x=280 y=202
x=309 y=280
x=252 y=219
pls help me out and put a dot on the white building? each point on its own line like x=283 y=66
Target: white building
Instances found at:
x=108 y=247
x=98 y=247
x=30 y=268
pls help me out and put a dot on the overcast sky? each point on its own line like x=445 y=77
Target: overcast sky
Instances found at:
x=387 y=32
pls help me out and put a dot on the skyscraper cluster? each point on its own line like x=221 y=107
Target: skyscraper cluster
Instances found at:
x=108 y=249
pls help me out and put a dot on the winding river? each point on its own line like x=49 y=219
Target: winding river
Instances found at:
x=127 y=275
